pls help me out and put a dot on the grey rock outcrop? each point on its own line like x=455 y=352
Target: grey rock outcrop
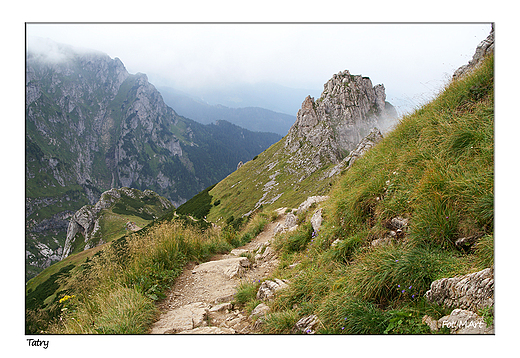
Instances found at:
x=364 y=146
x=268 y=288
x=469 y=292
x=304 y=206
x=86 y=221
x=290 y=221
x=485 y=48
x=317 y=219
x=327 y=129
x=306 y=325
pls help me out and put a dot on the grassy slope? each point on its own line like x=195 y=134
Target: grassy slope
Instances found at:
x=238 y=193
x=113 y=227
x=436 y=169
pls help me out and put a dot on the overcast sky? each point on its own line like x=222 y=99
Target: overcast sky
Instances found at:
x=413 y=61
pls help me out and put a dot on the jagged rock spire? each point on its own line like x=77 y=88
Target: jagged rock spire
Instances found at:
x=327 y=130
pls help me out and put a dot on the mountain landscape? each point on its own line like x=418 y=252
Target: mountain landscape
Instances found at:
x=91 y=126
x=355 y=222
x=255 y=119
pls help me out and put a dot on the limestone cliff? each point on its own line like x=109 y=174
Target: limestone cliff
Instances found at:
x=327 y=129
x=115 y=208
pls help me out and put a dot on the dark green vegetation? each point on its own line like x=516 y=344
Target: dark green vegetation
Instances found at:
x=91 y=126
x=198 y=206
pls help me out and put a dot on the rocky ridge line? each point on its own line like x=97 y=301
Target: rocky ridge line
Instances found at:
x=486 y=47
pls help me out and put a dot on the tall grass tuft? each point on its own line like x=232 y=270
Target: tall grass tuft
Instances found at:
x=485 y=251
x=296 y=240
x=342 y=314
x=280 y=322
x=113 y=309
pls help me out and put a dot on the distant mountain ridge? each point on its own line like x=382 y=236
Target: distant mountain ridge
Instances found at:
x=252 y=118
x=91 y=126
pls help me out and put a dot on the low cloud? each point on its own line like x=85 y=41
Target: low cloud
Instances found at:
x=49 y=51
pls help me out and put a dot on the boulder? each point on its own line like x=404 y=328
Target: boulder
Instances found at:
x=317 y=219
x=290 y=221
x=470 y=292
x=182 y=318
x=268 y=288
x=261 y=310
x=278 y=228
x=306 y=325
x=230 y=268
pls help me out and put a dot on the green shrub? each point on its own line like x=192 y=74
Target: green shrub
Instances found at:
x=198 y=206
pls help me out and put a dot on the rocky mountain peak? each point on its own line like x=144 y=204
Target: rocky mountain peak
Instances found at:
x=326 y=130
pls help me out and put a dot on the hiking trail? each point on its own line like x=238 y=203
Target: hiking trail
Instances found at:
x=200 y=300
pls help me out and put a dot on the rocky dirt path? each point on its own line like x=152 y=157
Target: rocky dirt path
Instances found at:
x=200 y=300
